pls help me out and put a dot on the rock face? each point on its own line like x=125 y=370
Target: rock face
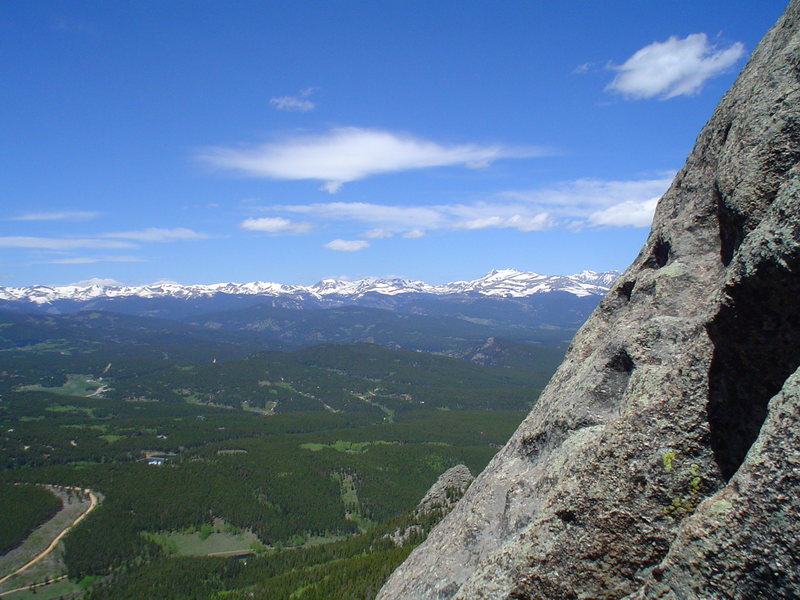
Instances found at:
x=663 y=459
x=446 y=490
x=437 y=502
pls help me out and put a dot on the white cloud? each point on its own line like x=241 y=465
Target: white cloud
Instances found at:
x=157 y=234
x=114 y=240
x=101 y=281
x=86 y=260
x=377 y=234
x=390 y=218
x=677 y=67
x=351 y=153
x=412 y=221
x=347 y=245
x=292 y=103
x=276 y=225
x=331 y=186
x=626 y=214
x=582 y=197
x=537 y=222
x=298 y=103
x=572 y=204
x=44 y=243
x=65 y=215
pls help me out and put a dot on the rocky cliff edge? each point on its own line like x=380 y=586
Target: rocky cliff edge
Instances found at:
x=663 y=460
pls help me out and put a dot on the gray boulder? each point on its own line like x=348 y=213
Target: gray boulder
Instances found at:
x=663 y=460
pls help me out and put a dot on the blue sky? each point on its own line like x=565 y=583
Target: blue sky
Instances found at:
x=291 y=141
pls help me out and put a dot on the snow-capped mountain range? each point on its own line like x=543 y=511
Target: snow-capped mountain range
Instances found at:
x=498 y=283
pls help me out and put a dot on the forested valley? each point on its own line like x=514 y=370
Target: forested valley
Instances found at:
x=225 y=467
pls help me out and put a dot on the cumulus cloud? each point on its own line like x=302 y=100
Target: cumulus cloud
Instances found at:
x=276 y=225
x=677 y=67
x=298 y=103
x=63 y=215
x=351 y=153
x=346 y=245
x=157 y=234
x=47 y=243
x=414 y=234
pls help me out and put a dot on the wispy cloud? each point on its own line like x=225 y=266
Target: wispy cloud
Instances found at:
x=377 y=234
x=536 y=222
x=103 y=241
x=677 y=67
x=573 y=204
x=581 y=197
x=413 y=221
x=157 y=234
x=631 y=213
x=276 y=225
x=598 y=202
x=582 y=68
x=298 y=103
x=47 y=243
x=389 y=218
x=346 y=245
x=87 y=260
x=64 y=215
x=102 y=281
x=351 y=153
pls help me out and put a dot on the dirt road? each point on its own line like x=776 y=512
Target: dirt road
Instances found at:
x=31 y=586
x=92 y=505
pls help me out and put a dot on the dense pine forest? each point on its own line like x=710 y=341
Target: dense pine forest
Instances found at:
x=24 y=507
x=227 y=467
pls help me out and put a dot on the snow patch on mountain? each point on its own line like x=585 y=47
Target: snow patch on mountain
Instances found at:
x=497 y=283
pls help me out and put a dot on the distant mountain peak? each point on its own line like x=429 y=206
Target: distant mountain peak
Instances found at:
x=604 y=278
x=96 y=281
x=497 y=283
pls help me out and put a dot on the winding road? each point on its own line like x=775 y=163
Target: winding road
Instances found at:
x=93 y=502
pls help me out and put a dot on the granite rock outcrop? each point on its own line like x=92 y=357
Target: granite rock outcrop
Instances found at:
x=663 y=459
